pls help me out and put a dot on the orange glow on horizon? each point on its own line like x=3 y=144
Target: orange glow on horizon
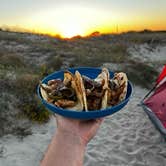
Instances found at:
x=80 y=20
x=71 y=29
x=68 y=28
x=68 y=19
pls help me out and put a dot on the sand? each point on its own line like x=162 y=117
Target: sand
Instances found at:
x=147 y=53
x=127 y=138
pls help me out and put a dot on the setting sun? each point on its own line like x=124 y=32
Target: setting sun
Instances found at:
x=68 y=19
x=69 y=28
x=69 y=22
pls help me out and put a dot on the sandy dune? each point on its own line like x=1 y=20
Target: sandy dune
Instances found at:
x=125 y=138
x=147 y=53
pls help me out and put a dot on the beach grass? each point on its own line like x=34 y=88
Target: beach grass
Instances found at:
x=20 y=74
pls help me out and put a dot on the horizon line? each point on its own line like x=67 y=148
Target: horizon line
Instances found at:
x=94 y=33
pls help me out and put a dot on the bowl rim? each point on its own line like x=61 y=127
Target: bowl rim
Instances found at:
x=82 y=112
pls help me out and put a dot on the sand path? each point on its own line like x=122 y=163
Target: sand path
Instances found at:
x=127 y=138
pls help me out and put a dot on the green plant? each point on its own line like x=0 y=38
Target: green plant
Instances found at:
x=33 y=109
x=96 y=56
x=11 y=60
x=54 y=63
x=25 y=90
x=141 y=74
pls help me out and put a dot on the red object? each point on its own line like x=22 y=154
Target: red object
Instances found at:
x=162 y=75
x=157 y=102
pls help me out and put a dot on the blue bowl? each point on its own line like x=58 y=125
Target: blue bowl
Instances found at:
x=92 y=73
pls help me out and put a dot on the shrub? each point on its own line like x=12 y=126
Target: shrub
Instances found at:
x=141 y=74
x=14 y=36
x=119 y=48
x=26 y=83
x=33 y=109
x=96 y=56
x=43 y=71
x=25 y=89
x=6 y=85
x=54 y=63
x=11 y=60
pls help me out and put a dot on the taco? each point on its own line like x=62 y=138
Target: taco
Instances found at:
x=66 y=93
x=76 y=92
x=117 y=89
x=95 y=96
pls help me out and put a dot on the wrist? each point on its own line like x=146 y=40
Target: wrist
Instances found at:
x=72 y=145
x=70 y=138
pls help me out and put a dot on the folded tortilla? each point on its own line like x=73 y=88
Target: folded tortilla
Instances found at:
x=72 y=81
x=118 y=89
x=104 y=75
x=102 y=79
x=110 y=92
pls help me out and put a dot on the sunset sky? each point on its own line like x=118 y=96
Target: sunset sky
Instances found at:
x=81 y=17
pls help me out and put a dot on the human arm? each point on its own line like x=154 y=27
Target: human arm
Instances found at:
x=69 y=142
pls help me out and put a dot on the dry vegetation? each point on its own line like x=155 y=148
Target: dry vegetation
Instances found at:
x=18 y=82
x=141 y=74
x=25 y=59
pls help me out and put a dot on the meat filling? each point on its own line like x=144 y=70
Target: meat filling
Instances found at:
x=94 y=93
x=60 y=94
x=115 y=93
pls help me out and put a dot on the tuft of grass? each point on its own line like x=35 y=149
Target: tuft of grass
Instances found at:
x=11 y=60
x=22 y=86
x=26 y=83
x=34 y=110
x=54 y=63
x=141 y=74
x=96 y=56
x=14 y=37
x=57 y=63
x=25 y=90
x=144 y=37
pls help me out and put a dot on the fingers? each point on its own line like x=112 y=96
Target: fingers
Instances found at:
x=93 y=122
x=99 y=120
x=62 y=120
